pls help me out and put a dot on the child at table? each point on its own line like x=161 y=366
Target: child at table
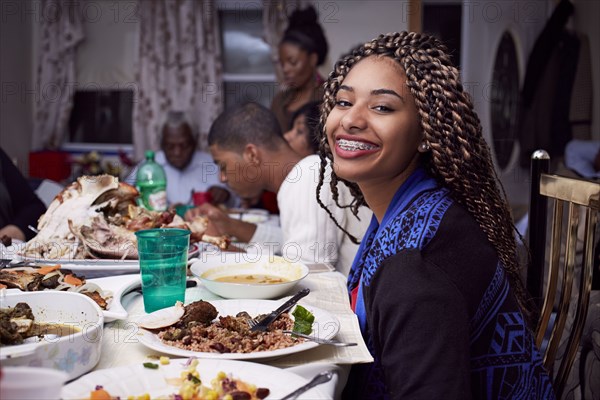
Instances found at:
x=435 y=283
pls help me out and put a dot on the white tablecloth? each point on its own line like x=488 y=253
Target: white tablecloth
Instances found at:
x=328 y=292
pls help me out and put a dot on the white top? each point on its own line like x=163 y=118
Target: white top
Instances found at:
x=200 y=174
x=308 y=233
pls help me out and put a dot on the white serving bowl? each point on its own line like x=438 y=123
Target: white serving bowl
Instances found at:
x=76 y=353
x=31 y=383
x=211 y=267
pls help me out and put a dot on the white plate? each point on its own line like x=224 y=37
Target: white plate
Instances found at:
x=135 y=380
x=117 y=285
x=252 y=215
x=325 y=326
x=101 y=265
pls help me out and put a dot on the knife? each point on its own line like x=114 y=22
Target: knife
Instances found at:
x=264 y=323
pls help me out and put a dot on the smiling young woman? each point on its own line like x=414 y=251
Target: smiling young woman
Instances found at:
x=435 y=283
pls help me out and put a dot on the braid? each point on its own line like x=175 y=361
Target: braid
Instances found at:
x=460 y=158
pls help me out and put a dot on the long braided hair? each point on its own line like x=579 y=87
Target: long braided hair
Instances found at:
x=459 y=159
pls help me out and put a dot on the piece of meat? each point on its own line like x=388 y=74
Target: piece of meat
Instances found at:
x=199 y=311
x=97 y=298
x=20 y=279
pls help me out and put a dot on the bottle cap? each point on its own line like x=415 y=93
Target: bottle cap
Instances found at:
x=149 y=155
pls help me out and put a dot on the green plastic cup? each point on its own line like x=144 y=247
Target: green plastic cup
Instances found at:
x=163 y=257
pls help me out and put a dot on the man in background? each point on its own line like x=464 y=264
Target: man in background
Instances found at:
x=186 y=168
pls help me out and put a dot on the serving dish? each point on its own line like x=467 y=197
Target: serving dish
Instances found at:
x=100 y=264
x=325 y=326
x=75 y=353
x=135 y=380
x=31 y=383
x=209 y=269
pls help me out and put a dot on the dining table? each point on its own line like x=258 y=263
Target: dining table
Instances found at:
x=121 y=345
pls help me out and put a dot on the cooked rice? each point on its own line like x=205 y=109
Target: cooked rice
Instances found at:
x=232 y=335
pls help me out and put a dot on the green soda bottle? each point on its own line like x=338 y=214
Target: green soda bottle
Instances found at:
x=151 y=182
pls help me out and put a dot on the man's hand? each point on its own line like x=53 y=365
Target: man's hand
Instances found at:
x=218 y=194
x=220 y=223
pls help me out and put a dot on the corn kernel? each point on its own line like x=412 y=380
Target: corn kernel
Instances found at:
x=164 y=360
x=221 y=375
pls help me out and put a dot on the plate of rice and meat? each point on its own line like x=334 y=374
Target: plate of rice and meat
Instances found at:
x=219 y=329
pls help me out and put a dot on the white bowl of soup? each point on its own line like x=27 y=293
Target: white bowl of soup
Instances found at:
x=248 y=276
x=66 y=333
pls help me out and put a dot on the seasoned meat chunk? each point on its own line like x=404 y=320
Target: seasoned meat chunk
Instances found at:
x=199 y=311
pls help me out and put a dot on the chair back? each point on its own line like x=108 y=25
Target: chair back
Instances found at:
x=578 y=197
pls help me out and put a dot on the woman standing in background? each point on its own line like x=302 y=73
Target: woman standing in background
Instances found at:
x=302 y=49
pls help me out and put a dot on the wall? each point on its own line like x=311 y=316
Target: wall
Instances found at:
x=16 y=77
x=483 y=24
x=586 y=19
x=349 y=22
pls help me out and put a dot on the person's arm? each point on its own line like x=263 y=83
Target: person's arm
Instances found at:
x=27 y=207
x=222 y=223
x=219 y=195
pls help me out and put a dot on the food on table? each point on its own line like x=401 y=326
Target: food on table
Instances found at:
x=257 y=279
x=31 y=278
x=96 y=217
x=18 y=323
x=193 y=387
x=199 y=328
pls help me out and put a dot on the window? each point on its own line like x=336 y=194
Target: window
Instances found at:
x=248 y=71
x=101 y=116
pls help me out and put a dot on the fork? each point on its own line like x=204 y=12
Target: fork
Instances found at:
x=262 y=323
x=332 y=342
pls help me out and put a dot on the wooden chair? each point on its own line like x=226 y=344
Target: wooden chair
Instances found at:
x=579 y=196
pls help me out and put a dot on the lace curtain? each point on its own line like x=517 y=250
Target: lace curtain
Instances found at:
x=60 y=33
x=179 y=68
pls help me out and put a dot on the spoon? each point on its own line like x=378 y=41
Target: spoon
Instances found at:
x=317 y=380
x=332 y=342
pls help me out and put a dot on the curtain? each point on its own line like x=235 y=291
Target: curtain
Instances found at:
x=60 y=33
x=179 y=68
x=275 y=20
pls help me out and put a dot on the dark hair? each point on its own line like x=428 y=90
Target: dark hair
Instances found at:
x=312 y=113
x=460 y=158
x=304 y=31
x=244 y=124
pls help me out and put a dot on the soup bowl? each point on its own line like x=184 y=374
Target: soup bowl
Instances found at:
x=248 y=276
x=75 y=353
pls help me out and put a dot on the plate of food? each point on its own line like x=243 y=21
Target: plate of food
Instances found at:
x=101 y=264
x=213 y=379
x=51 y=329
x=106 y=292
x=94 y=220
x=219 y=329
